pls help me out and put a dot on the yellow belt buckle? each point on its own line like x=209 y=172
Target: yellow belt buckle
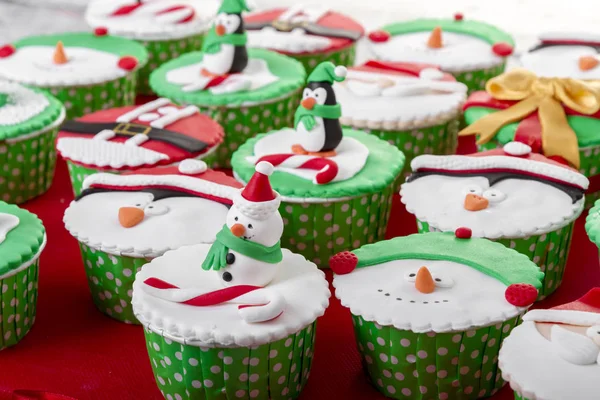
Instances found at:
x=123 y=129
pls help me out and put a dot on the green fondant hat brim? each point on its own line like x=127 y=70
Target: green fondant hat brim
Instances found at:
x=325 y=72
x=233 y=6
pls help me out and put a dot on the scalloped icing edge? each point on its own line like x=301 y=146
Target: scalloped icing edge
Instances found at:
x=291 y=195
x=283 y=88
x=35 y=246
x=592 y=224
x=433 y=119
x=148 y=318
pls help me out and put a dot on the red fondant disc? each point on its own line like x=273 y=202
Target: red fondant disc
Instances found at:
x=101 y=31
x=502 y=49
x=521 y=294
x=379 y=36
x=7 y=51
x=459 y=17
x=343 y=263
x=128 y=63
x=463 y=233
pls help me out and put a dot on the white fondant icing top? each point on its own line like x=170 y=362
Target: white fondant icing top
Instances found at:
x=296 y=41
x=8 y=222
x=561 y=62
x=22 y=105
x=461 y=52
x=299 y=281
x=154 y=19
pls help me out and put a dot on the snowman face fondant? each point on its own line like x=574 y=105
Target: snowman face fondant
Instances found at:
x=227 y=23
x=562 y=61
x=266 y=232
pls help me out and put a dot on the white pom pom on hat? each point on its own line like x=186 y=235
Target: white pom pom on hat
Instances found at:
x=516 y=149
x=341 y=71
x=265 y=168
x=192 y=167
x=431 y=74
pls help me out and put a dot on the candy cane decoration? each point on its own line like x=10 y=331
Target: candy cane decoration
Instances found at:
x=175 y=14
x=328 y=169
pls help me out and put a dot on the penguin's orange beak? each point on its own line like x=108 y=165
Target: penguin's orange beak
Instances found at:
x=238 y=230
x=424 y=281
x=308 y=103
x=220 y=30
x=475 y=202
x=130 y=216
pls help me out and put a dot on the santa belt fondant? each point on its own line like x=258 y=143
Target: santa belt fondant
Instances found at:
x=312 y=28
x=176 y=139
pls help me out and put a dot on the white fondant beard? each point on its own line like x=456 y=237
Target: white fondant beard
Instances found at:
x=255 y=76
x=473 y=297
x=529 y=207
x=531 y=363
x=168 y=223
x=460 y=52
x=22 y=104
x=561 y=62
x=296 y=41
x=220 y=63
x=8 y=222
x=35 y=65
x=312 y=140
x=574 y=347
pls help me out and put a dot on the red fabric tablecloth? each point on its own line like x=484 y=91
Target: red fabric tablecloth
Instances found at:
x=75 y=350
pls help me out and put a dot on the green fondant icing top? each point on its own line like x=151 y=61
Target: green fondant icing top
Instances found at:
x=592 y=224
x=290 y=72
x=35 y=123
x=23 y=242
x=491 y=258
x=481 y=30
x=585 y=128
x=384 y=164
x=110 y=44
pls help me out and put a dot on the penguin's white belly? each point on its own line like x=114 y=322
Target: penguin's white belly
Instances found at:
x=220 y=63
x=249 y=271
x=312 y=140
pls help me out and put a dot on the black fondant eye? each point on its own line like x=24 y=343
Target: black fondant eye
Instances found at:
x=380 y=290
x=387 y=294
x=227 y=277
x=438 y=280
x=412 y=275
x=230 y=258
x=235 y=219
x=150 y=207
x=398 y=298
x=250 y=226
x=472 y=190
x=138 y=205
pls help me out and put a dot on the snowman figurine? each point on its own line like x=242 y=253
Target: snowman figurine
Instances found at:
x=317 y=119
x=225 y=46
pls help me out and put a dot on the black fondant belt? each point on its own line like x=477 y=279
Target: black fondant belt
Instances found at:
x=309 y=27
x=176 y=139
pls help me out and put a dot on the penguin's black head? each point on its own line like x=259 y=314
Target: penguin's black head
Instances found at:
x=322 y=92
x=229 y=23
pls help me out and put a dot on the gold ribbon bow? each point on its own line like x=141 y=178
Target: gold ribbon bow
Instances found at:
x=547 y=96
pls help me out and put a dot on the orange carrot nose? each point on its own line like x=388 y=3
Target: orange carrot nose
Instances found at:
x=435 y=39
x=474 y=202
x=59 y=54
x=220 y=30
x=309 y=103
x=130 y=216
x=588 y=62
x=238 y=230
x=424 y=282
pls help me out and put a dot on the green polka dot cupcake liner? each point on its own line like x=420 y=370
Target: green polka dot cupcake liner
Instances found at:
x=439 y=140
x=273 y=371
x=82 y=100
x=417 y=366
x=161 y=51
x=110 y=278
x=549 y=251
x=78 y=173
x=345 y=56
x=18 y=294
x=27 y=166
x=243 y=123
x=476 y=80
x=320 y=230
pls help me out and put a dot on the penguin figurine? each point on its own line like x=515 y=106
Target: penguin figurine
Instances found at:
x=225 y=46
x=317 y=119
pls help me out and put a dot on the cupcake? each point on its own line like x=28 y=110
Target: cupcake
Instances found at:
x=124 y=221
x=166 y=28
x=126 y=139
x=564 y=55
x=553 y=355
x=558 y=117
x=22 y=240
x=412 y=106
x=87 y=72
x=592 y=224
x=246 y=91
x=430 y=311
x=310 y=34
x=236 y=319
x=521 y=199
x=29 y=120
x=336 y=183
x=472 y=51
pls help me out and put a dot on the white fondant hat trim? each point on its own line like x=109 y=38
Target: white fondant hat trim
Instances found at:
x=571 y=317
x=257 y=210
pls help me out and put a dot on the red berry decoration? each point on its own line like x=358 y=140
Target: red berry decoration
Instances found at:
x=459 y=17
x=502 y=49
x=463 y=233
x=6 y=51
x=521 y=294
x=343 y=263
x=128 y=63
x=101 y=31
x=379 y=36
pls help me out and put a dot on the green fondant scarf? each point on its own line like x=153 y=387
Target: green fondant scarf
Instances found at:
x=217 y=255
x=213 y=42
x=307 y=117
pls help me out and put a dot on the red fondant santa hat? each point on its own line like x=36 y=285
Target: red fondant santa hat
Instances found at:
x=258 y=200
x=582 y=312
x=190 y=176
x=570 y=38
x=515 y=158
